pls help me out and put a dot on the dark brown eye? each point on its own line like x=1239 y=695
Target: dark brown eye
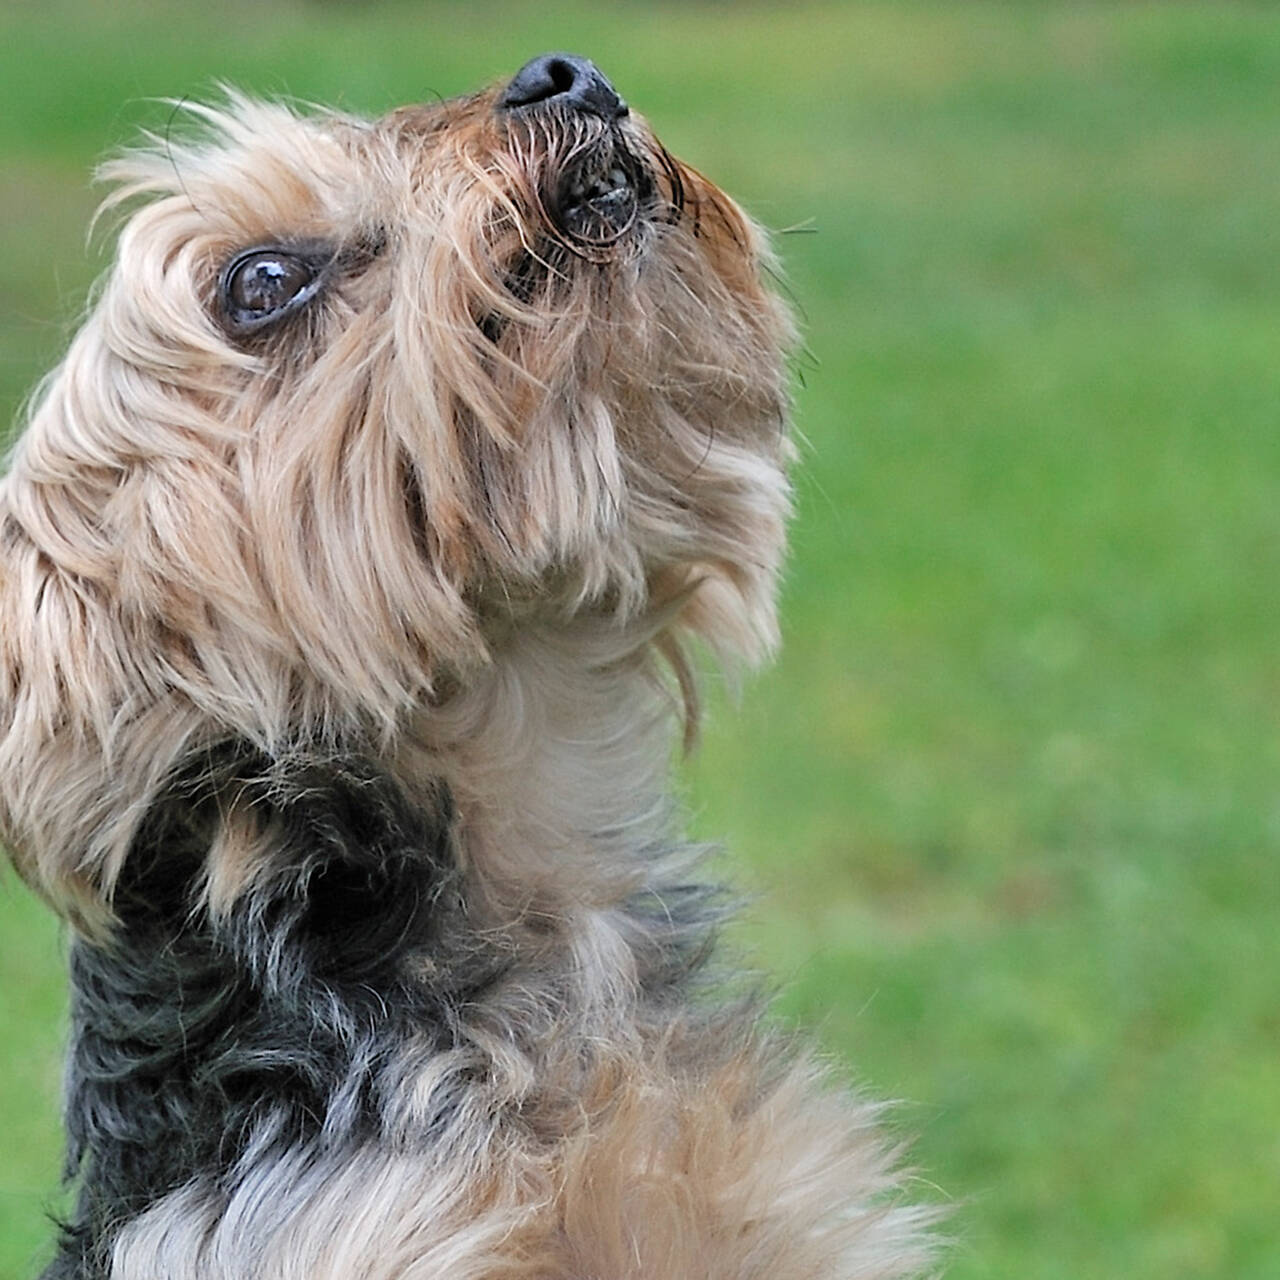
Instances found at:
x=265 y=285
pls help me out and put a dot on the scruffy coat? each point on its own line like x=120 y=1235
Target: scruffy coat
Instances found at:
x=341 y=644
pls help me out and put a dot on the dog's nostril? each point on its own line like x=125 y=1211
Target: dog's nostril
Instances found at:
x=567 y=81
x=563 y=75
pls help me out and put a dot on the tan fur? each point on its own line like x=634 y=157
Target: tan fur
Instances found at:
x=657 y=1177
x=476 y=556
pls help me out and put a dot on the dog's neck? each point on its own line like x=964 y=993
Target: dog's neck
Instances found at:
x=556 y=757
x=507 y=897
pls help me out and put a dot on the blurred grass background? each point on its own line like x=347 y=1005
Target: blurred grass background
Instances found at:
x=1010 y=795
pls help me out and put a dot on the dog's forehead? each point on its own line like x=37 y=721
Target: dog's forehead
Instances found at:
x=262 y=169
x=310 y=175
x=252 y=171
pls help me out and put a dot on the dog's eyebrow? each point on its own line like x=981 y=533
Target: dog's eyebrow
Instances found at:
x=365 y=245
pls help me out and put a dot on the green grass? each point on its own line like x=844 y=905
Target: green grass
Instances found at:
x=1010 y=794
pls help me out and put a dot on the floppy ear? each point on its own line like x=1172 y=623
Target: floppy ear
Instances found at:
x=85 y=736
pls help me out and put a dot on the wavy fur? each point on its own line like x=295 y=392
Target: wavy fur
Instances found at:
x=333 y=715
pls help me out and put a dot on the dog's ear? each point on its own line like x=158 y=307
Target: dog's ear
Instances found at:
x=76 y=762
x=86 y=735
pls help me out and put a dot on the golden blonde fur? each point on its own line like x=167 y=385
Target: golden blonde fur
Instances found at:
x=655 y=1179
x=458 y=516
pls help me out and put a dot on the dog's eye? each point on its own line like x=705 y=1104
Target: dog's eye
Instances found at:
x=265 y=285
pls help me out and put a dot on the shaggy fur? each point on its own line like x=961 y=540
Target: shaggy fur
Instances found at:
x=333 y=715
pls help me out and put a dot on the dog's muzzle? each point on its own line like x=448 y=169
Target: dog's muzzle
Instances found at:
x=596 y=198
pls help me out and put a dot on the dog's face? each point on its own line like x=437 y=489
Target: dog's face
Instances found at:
x=358 y=400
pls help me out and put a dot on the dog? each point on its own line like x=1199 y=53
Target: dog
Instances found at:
x=350 y=564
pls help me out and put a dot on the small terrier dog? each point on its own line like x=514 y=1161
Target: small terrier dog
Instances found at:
x=348 y=568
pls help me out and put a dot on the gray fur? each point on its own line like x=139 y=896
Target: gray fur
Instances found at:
x=204 y=1046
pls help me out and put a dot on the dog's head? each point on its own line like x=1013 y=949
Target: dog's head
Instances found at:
x=357 y=400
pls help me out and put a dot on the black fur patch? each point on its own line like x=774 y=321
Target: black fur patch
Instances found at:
x=198 y=1039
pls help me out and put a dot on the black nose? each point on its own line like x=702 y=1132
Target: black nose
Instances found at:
x=567 y=81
